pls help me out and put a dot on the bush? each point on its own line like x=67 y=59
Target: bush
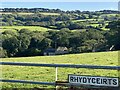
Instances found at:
x=3 y=53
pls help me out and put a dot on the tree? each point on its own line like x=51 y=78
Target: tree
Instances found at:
x=23 y=43
x=75 y=40
x=113 y=36
x=11 y=45
x=63 y=38
x=24 y=31
x=45 y=43
x=10 y=32
x=62 y=17
x=89 y=46
x=3 y=53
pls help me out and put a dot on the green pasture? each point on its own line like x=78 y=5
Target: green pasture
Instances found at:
x=90 y=20
x=45 y=13
x=108 y=15
x=48 y=74
x=25 y=13
x=20 y=13
x=14 y=28
x=83 y=20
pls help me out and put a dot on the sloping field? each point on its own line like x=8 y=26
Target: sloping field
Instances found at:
x=23 y=13
x=45 y=13
x=48 y=74
x=32 y=28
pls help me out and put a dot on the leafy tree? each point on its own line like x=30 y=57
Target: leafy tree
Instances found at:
x=3 y=53
x=24 y=31
x=62 y=17
x=45 y=43
x=75 y=40
x=63 y=38
x=89 y=45
x=11 y=45
x=113 y=36
x=10 y=32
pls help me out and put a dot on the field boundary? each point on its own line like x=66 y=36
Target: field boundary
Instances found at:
x=56 y=83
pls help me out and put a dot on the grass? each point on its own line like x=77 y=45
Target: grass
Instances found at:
x=92 y=22
x=48 y=74
x=80 y=30
x=106 y=29
x=97 y=25
x=85 y=20
x=94 y=25
x=23 y=13
x=14 y=28
x=107 y=15
x=54 y=14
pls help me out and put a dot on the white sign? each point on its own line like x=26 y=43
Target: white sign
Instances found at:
x=96 y=81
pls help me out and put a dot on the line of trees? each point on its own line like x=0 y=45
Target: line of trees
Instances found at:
x=58 y=22
x=34 y=10
x=32 y=43
x=41 y=20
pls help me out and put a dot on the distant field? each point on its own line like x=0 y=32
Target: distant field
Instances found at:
x=108 y=15
x=91 y=20
x=103 y=28
x=83 y=20
x=32 y=28
x=50 y=14
x=22 y=13
x=48 y=74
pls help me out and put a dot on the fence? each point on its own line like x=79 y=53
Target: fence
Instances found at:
x=55 y=66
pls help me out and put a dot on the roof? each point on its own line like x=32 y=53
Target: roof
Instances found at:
x=62 y=49
x=50 y=50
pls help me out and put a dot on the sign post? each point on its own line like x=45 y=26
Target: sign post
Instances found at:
x=94 y=81
x=119 y=59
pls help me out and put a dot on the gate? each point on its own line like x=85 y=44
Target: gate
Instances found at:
x=58 y=83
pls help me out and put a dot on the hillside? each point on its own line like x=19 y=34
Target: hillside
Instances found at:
x=48 y=74
x=40 y=29
x=15 y=28
x=58 y=19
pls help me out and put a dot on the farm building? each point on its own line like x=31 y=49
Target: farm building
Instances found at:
x=58 y=51
x=49 y=52
x=61 y=50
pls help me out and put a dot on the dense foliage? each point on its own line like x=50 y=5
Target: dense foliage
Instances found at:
x=34 y=17
x=89 y=34
x=34 y=10
x=30 y=43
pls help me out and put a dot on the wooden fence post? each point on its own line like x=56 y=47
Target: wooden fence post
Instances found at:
x=56 y=78
x=56 y=71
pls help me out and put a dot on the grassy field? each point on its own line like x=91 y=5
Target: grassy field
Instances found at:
x=22 y=13
x=103 y=15
x=83 y=20
x=93 y=22
x=48 y=74
x=54 y=14
x=32 y=28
